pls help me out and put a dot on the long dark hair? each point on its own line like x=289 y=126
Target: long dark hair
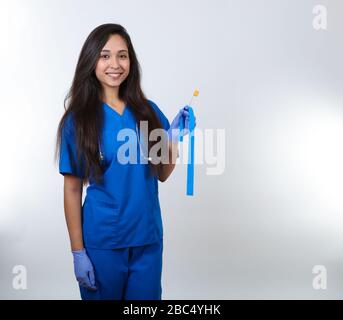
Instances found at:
x=84 y=103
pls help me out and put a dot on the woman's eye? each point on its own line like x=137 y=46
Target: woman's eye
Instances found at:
x=105 y=55
x=123 y=56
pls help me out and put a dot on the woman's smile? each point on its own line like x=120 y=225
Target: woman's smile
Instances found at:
x=113 y=75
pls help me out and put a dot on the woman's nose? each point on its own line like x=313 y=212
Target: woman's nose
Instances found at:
x=114 y=63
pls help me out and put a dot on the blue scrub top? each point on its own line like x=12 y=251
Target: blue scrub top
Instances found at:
x=124 y=211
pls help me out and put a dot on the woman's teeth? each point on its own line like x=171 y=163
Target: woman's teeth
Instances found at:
x=114 y=75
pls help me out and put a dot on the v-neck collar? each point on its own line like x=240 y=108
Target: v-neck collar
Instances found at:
x=116 y=112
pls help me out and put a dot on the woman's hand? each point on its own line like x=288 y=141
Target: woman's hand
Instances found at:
x=182 y=118
x=83 y=269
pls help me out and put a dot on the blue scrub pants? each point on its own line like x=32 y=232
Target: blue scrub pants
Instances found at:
x=132 y=273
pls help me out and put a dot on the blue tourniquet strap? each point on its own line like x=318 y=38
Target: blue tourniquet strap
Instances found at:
x=190 y=164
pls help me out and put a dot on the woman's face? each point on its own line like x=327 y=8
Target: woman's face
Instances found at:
x=113 y=66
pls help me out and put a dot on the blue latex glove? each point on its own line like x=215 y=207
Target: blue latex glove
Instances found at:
x=83 y=269
x=182 y=118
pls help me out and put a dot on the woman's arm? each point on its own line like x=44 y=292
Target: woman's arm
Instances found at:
x=72 y=209
x=174 y=131
x=165 y=170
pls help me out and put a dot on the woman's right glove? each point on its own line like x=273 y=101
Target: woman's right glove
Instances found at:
x=83 y=269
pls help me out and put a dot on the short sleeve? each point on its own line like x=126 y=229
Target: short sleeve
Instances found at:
x=164 y=120
x=68 y=163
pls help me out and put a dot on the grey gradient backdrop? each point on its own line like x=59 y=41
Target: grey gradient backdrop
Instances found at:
x=265 y=76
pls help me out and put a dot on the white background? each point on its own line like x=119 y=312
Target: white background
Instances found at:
x=265 y=75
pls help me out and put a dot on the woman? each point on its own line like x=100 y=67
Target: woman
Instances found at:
x=116 y=236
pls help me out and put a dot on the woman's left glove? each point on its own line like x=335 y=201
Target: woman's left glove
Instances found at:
x=181 y=120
